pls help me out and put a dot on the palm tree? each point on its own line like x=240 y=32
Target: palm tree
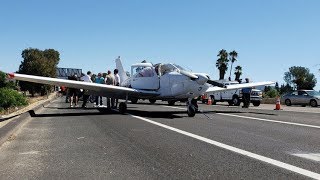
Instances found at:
x=233 y=58
x=238 y=72
x=222 y=63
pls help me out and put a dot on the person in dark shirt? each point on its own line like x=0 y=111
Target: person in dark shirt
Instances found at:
x=246 y=95
x=73 y=93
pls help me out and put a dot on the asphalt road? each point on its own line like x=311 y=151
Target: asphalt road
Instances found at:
x=162 y=142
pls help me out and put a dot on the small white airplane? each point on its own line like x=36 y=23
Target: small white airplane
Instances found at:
x=167 y=82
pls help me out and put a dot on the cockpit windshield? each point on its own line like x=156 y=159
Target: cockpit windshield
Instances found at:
x=179 y=67
x=167 y=68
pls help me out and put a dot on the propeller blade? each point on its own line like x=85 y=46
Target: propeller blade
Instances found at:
x=189 y=74
x=215 y=83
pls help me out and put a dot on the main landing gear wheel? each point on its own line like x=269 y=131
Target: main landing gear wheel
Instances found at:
x=192 y=107
x=122 y=107
x=191 y=111
x=134 y=100
x=152 y=101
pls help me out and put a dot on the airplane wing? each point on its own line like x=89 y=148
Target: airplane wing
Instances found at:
x=94 y=88
x=238 y=86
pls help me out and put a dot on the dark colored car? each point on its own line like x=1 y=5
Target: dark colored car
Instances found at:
x=302 y=97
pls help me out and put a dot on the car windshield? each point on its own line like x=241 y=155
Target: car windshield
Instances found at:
x=313 y=93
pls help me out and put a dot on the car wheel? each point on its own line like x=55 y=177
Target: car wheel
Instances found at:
x=313 y=103
x=236 y=101
x=256 y=103
x=287 y=102
x=171 y=103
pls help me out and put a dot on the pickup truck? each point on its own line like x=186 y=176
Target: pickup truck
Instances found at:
x=233 y=97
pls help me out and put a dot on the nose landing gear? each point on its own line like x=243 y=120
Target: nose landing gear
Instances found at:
x=192 y=107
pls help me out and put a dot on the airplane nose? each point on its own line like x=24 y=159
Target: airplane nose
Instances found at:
x=202 y=79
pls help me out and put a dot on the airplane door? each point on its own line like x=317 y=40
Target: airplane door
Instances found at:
x=146 y=79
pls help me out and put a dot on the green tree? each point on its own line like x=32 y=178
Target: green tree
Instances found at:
x=285 y=89
x=222 y=63
x=39 y=63
x=233 y=58
x=300 y=78
x=277 y=87
x=238 y=73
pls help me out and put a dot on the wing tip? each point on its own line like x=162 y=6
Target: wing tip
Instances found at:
x=10 y=75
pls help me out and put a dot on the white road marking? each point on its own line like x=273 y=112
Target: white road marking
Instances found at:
x=311 y=156
x=259 y=119
x=269 y=120
x=237 y=150
x=30 y=152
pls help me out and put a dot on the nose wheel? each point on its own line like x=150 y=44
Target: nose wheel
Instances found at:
x=192 y=107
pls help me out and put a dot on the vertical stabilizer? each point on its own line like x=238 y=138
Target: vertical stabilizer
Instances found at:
x=122 y=73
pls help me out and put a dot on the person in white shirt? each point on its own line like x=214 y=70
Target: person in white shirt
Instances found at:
x=117 y=83
x=86 y=78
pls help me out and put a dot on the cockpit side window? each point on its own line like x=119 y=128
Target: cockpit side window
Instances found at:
x=143 y=72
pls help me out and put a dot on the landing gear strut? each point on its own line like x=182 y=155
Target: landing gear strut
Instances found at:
x=192 y=107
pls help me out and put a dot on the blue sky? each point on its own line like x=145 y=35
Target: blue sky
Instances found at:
x=269 y=36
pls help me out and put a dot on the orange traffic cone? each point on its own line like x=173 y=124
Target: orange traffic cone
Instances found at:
x=209 y=101
x=278 y=104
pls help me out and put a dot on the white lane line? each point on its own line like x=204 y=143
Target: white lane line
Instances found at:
x=237 y=150
x=311 y=156
x=259 y=119
x=269 y=120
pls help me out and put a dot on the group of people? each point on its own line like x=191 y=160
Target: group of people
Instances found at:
x=109 y=79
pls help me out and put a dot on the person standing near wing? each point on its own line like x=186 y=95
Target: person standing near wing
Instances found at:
x=73 y=93
x=117 y=83
x=86 y=78
x=109 y=80
x=246 y=95
x=99 y=80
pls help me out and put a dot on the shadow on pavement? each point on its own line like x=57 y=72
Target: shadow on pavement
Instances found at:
x=101 y=112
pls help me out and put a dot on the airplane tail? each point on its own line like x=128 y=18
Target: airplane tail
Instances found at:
x=123 y=75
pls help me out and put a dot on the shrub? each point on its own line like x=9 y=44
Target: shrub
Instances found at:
x=11 y=98
x=272 y=93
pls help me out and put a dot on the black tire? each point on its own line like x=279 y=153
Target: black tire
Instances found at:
x=256 y=103
x=134 y=100
x=122 y=107
x=313 y=103
x=230 y=103
x=152 y=101
x=92 y=99
x=171 y=103
x=287 y=102
x=191 y=111
x=236 y=101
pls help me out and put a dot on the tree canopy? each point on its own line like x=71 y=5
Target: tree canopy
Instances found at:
x=222 y=63
x=300 y=78
x=40 y=63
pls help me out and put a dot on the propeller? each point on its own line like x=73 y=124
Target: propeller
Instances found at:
x=189 y=74
x=215 y=83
